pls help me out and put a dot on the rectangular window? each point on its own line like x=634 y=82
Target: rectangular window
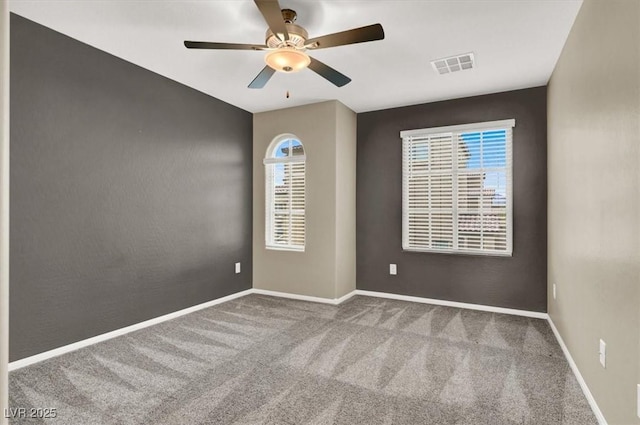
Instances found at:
x=457 y=184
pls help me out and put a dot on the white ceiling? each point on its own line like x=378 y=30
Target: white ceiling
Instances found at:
x=516 y=45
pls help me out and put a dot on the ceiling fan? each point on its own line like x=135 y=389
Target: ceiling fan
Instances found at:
x=287 y=42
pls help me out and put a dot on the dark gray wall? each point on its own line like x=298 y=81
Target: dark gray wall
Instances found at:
x=514 y=282
x=130 y=193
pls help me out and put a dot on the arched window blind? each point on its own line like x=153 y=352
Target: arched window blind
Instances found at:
x=285 y=194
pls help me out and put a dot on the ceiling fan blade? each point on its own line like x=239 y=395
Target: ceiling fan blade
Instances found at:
x=329 y=73
x=357 y=35
x=272 y=13
x=223 y=46
x=262 y=78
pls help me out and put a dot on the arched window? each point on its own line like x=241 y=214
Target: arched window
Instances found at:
x=285 y=194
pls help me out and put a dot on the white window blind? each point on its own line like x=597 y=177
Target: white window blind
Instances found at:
x=285 y=195
x=457 y=189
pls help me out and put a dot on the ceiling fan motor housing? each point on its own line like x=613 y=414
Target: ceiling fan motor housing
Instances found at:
x=297 y=37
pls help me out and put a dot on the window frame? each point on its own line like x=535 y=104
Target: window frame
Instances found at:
x=455 y=131
x=270 y=161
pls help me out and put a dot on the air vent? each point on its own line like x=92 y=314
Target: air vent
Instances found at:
x=453 y=63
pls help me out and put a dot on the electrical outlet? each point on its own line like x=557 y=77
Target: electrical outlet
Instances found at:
x=638 y=404
x=393 y=269
x=554 y=291
x=603 y=353
x=237 y=268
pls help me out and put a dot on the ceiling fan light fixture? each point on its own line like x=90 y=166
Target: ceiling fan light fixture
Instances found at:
x=287 y=59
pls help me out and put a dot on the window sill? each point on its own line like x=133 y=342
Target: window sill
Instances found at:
x=475 y=253
x=284 y=248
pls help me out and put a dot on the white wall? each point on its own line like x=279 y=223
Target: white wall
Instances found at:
x=4 y=207
x=594 y=200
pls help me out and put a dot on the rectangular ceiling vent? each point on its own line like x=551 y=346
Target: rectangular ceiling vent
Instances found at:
x=453 y=63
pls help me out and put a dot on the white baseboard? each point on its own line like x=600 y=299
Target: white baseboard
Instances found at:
x=335 y=301
x=469 y=306
x=118 y=332
x=576 y=372
x=338 y=301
